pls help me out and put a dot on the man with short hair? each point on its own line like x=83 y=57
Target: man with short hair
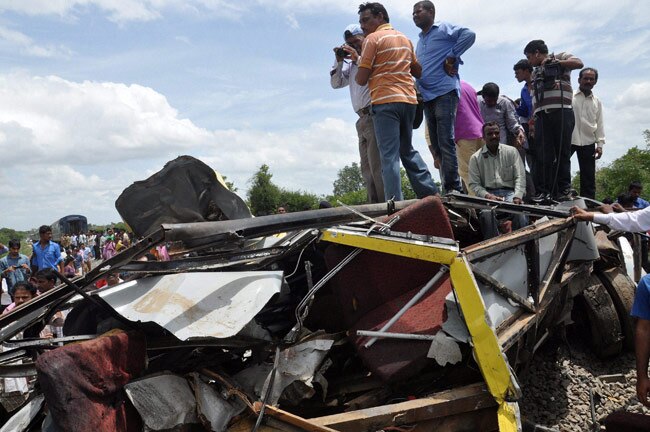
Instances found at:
x=499 y=109
x=386 y=65
x=14 y=267
x=343 y=74
x=552 y=100
x=45 y=280
x=635 y=189
x=523 y=73
x=439 y=48
x=496 y=172
x=46 y=252
x=589 y=133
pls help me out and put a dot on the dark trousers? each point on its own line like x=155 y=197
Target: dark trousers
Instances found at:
x=552 y=151
x=587 y=164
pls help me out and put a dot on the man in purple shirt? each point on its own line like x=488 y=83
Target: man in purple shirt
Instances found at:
x=469 y=138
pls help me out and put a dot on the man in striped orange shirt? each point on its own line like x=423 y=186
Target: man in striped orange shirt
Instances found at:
x=388 y=65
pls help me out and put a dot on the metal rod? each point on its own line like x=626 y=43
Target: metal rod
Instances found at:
x=388 y=335
x=443 y=270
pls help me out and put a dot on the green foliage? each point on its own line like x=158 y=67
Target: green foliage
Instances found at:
x=358 y=197
x=349 y=180
x=407 y=189
x=229 y=184
x=294 y=201
x=614 y=179
x=263 y=195
x=7 y=234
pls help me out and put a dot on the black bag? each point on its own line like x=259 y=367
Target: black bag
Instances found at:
x=419 y=112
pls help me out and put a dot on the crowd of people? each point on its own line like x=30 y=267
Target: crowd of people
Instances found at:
x=24 y=278
x=390 y=80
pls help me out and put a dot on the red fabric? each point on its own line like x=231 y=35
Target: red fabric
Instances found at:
x=374 y=286
x=83 y=383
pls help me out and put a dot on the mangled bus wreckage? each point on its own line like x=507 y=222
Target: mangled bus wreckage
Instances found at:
x=343 y=319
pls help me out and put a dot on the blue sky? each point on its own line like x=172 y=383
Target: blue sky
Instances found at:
x=96 y=94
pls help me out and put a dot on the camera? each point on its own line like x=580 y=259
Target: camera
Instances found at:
x=340 y=52
x=546 y=77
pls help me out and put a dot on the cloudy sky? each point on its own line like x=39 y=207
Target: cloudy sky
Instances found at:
x=96 y=94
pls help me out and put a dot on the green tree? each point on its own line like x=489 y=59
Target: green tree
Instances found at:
x=407 y=189
x=614 y=179
x=294 y=201
x=229 y=184
x=349 y=179
x=263 y=195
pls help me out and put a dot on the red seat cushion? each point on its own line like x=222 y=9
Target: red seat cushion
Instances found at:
x=374 y=286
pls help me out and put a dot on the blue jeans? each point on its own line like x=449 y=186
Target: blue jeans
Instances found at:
x=488 y=218
x=393 y=129
x=441 y=117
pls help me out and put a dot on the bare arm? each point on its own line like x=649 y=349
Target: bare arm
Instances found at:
x=416 y=69
x=363 y=75
x=572 y=63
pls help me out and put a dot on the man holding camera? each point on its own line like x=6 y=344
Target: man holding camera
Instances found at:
x=387 y=65
x=589 y=133
x=343 y=74
x=554 y=119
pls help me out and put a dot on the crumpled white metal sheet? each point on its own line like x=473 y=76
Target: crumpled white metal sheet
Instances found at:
x=163 y=401
x=196 y=305
x=21 y=420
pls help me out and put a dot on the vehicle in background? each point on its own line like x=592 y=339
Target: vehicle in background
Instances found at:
x=71 y=224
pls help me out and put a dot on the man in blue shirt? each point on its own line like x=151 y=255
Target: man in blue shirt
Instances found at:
x=438 y=51
x=46 y=252
x=635 y=189
x=14 y=267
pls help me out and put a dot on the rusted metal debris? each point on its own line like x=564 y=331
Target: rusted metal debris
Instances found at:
x=264 y=324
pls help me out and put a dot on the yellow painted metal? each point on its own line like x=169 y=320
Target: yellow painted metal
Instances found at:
x=432 y=252
x=487 y=350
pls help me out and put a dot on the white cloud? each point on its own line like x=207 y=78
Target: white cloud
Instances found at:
x=81 y=144
x=12 y=40
x=62 y=120
x=122 y=11
x=293 y=22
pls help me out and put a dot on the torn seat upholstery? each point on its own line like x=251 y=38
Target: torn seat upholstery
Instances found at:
x=375 y=286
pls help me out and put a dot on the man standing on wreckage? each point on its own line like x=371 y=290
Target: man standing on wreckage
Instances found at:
x=632 y=221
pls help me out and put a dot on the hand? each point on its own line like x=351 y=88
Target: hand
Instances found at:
x=642 y=390
x=517 y=200
x=352 y=53
x=616 y=207
x=339 y=59
x=531 y=127
x=493 y=197
x=598 y=153
x=450 y=66
x=581 y=214
x=520 y=138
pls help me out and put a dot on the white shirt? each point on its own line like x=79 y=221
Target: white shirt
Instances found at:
x=589 y=128
x=633 y=221
x=343 y=74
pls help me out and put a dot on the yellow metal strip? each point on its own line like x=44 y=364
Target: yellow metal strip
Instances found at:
x=507 y=416
x=487 y=351
x=443 y=254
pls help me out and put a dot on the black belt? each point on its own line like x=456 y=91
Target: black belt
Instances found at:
x=364 y=111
